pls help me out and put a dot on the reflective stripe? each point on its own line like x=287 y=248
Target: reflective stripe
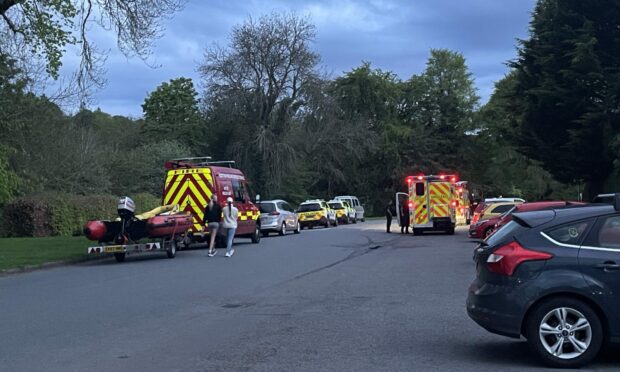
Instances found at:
x=579 y=247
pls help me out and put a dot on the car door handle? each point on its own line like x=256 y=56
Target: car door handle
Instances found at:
x=608 y=266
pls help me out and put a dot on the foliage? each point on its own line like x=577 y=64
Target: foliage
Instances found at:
x=52 y=214
x=171 y=113
x=568 y=78
x=24 y=252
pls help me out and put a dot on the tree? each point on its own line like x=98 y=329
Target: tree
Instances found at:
x=48 y=27
x=171 y=112
x=261 y=77
x=569 y=79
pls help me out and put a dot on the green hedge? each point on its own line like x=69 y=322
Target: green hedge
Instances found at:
x=54 y=214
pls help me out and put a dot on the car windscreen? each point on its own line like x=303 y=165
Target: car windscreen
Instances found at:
x=309 y=207
x=336 y=206
x=266 y=207
x=510 y=229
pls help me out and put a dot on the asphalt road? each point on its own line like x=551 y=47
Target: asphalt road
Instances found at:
x=351 y=298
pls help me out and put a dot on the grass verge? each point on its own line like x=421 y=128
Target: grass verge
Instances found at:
x=19 y=253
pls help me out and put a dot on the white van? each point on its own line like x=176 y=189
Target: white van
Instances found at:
x=355 y=203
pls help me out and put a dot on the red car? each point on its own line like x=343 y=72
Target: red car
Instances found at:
x=535 y=206
x=484 y=228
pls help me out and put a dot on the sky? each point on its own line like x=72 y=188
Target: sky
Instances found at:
x=392 y=35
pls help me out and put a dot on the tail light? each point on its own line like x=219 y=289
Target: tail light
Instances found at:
x=507 y=258
x=476 y=218
x=274 y=213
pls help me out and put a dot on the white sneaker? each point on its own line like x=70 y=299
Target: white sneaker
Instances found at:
x=229 y=254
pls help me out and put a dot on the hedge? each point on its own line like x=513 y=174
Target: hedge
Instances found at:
x=53 y=214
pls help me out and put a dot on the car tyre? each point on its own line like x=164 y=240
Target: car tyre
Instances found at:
x=354 y=219
x=265 y=234
x=298 y=228
x=282 y=231
x=256 y=235
x=120 y=257
x=363 y=219
x=575 y=312
x=417 y=232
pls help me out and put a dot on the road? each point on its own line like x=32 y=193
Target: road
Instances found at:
x=351 y=298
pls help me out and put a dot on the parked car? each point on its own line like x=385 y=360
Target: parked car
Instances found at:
x=277 y=216
x=355 y=203
x=481 y=206
x=341 y=211
x=495 y=209
x=313 y=213
x=552 y=276
x=484 y=228
x=351 y=212
x=536 y=206
x=604 y=198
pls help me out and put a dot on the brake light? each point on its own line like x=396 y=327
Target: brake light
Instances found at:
x=507 y=258
x=476 y=218
x=274 y=213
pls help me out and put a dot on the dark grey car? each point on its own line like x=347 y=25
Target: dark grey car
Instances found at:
x=552 y=276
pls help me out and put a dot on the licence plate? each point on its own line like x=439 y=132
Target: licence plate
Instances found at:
x=113 y=248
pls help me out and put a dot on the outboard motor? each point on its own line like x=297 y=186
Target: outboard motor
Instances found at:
x=126 y=209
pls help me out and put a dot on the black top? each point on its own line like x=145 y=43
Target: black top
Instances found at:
x=214 y=214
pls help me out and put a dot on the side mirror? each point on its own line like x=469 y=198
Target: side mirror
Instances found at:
x=257 y=198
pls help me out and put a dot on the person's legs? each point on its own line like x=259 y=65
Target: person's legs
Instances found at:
x=213 y=227
x=230 y=236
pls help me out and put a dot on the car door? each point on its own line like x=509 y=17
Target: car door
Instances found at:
x=286 y=215
x=292 y=217
x=599 y=260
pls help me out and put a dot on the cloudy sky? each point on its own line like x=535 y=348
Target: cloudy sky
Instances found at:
x=392 y=35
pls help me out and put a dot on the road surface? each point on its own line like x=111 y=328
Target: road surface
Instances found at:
x=351 y=298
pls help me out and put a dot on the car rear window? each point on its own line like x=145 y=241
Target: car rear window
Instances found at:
x=570 y=233
x=336 y=206
x=510 y=229
x=501 y=208
x=309 y=207
x=266 y=207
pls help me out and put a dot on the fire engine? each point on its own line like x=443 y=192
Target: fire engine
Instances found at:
x=432 y=203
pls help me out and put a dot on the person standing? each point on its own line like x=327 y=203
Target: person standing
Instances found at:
x=213 y=216
x=388 y=215
x=230 y=225
x=404 y=217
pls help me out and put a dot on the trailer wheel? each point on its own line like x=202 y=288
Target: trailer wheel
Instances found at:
x=171 y=251
x=417 y=232
x=120 y=257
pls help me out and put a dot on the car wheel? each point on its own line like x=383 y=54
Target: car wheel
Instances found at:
x=282 y=229
x=417 y=232
x=564 y=332
x=265 y=234
x=298 y=228
x=336 y=222
x=363 y=219
x=172 y=249
x=450 y=231
x=256 y=235
x=120 y=257
x=354 y=219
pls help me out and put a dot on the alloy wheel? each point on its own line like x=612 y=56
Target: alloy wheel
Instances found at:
x=565 y=333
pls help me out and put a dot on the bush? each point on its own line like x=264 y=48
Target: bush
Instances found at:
x=53 y=214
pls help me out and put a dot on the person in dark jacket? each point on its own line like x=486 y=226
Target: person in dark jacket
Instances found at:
x=404 y=217
x=388 y=215
x=213 y=216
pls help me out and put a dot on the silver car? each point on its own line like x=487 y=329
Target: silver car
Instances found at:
x=277 y=216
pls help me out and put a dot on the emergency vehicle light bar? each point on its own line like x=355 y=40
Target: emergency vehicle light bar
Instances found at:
x=447 y=177
x=196 y=162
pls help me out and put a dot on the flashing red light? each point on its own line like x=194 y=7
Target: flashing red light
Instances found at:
x=410 y=205
x=460 y=189
x=420 y=178
x=442 y=177
x=409 y=180
x=453 y=179
x=455 y=203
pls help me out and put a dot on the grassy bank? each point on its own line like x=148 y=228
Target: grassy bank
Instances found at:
x=22 y=252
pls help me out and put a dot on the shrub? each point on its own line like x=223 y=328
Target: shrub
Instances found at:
x=63 y=214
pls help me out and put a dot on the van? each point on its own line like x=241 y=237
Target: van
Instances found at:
x=191 y=182
x=355 y=203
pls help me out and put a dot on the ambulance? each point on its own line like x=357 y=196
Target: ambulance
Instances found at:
x=432 y=203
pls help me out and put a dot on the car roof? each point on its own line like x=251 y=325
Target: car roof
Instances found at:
x=495 y=200
x=312 y=202
x=550 y=204
x=345 y=196
x=273 y=201
x=535 y=218
x=498 y=204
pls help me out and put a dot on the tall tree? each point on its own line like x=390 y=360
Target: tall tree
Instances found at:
x=569 y=80
x=171 y=113
x=48 y=27
x=261 y=75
